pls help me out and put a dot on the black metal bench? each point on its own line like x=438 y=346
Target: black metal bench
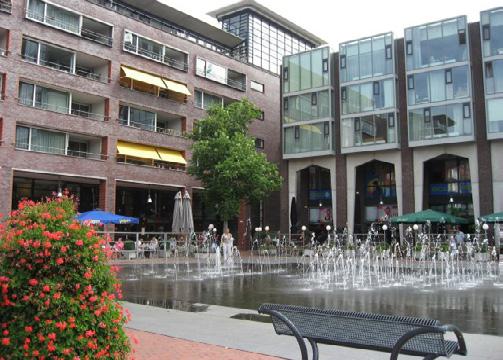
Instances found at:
x=386 y=333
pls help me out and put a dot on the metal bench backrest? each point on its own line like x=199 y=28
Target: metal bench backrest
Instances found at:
x=356 y=329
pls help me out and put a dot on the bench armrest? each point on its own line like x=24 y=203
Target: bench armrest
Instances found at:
x=459 y=336
x=291 y=326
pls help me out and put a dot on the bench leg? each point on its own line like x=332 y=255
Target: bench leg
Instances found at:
x=293 y=329
x=406 y=337
x=315 y=348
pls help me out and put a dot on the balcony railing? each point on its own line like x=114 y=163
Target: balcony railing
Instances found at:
x=79 y=71
x=138 y=125
x=6 y=6
x=180 y=65
x=61 y=109
x=58 y=151
x=156 y=164
x=70 y=27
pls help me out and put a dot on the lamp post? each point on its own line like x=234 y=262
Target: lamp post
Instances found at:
x=303 y=228
x=328 y=227
x=415 y=227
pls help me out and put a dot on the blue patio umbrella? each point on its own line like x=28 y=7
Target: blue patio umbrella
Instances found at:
x=103 y=217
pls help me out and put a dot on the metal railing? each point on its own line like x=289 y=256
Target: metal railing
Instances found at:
x=70 y=27
x=61 y=109
x=6 y=6
x=180 y=65
x=58 y=151
x=79 y=71
x=160 y=24
x=142 y=126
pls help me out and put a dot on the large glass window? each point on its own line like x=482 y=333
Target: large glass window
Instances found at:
x=494 y=77
x=306 y=107
x=220 y=74
x=439 y=85
x=368 y=130
x=307 y=138
x=44 y=98
x=492 y=32
x=139 y=118
x=40 y=140
x=368 y=97
x=48 y=55
x=308 y=70
x=366 y=58
x=205 y=101
x=495 y=115
x=437 y=43
x=440 y=121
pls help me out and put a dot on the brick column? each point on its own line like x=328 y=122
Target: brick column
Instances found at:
x=479 y=115
x=6 y=179
x=407 y=153
x=106 y=199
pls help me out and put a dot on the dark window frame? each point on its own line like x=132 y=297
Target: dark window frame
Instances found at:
x=391 y=120
x=408 y=47
x=326 y=129
x=325 y=65
x=467 y=111
x=343 y=62
x=462 y=36
x=376 y=88
x=314 y=99
x=448 y=76
x=285 y=104
x=344 y=94
x=427 y=115
x=410 y=82
x=388 y=52
x=489 y=69
x=285 y=73
x=296 y=132
x=357 y=124
x=486 y=32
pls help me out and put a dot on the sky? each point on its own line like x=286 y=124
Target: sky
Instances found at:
x=338 y=21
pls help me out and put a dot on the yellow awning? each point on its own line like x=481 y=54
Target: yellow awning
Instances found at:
x=137 y=150
x=144 y=77
x=171 y=156
x=177 y=87
x=158 y=81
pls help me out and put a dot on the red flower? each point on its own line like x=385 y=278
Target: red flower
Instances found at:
x=64 y=249
x=33 y=282
x=5 y=341
x=28 y=329
x=57 y=295
x=46 y=288
x=88 y=275
x=52 y=336
x=79 y=242
x=60 y=261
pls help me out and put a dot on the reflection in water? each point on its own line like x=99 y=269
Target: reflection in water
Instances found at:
x=474 y=308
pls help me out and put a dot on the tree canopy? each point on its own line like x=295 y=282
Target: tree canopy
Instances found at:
x=225 y=160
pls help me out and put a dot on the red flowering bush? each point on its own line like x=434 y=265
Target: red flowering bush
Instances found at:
x=58 y=295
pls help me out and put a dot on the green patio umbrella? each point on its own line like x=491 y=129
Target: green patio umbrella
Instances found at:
x=493 y=218
x=433 y=216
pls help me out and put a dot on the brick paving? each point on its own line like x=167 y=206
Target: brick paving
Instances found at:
x=150 y=346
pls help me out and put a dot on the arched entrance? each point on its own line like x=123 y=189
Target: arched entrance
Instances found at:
x=447 y=186
x=375 y=197
x=314 y=198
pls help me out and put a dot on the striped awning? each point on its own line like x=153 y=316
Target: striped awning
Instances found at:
x=155 y=80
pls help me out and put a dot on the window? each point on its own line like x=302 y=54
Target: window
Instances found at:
x=285 y=104
x=486 y=32
x=448 y=76
x=408 y=46
x=368 y=96
x=389 y=53
x=307 y=138
x=495 y=115
x=205 y=101
x=343 y=61
x=40 y=140
x=48 y=55
x=344 y=94
x=297 y=132
x=257 y=86
x=285 y=73
x=466 y=111
x=325 y=65
x=491 y=23
x=306 y=107
x=259 y=143
x=410 y=82
x=391 y=120
x=489 y=69
x=376 y=87
x=314 y=99
x=261 y=116
x=44 y=98
x=462 y=36
x=77 y=148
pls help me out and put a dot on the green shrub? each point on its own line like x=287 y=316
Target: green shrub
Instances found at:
x=59 y=296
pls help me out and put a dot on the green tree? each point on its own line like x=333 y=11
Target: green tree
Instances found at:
x=225 y=160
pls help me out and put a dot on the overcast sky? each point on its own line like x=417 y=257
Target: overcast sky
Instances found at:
x=339 y=21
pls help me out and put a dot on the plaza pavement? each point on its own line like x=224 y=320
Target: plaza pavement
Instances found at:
x=215 y=327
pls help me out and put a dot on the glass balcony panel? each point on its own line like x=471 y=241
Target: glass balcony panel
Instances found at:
x=294 y=73
x=378 y=57
x=495 y=115
x=305 y=71
x=352 y=63
x=366 y=97
x=494 y=46
x=317 y=68
x=365 y=58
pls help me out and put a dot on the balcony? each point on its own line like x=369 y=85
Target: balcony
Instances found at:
x=369 y=133
x=220 y=74
x=153 y=84
x=66 y=20
x=149 y=156
x=58 y=143
x=75 y=63
x=138 y=45
x=6 y=6
x=60 y=101
x=151 y=121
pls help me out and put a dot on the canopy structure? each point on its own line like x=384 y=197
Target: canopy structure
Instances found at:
x=103 y=217
x=493 y=218
x=171 y=156
x=155 y=80
x=432 y=216
x=150 y=152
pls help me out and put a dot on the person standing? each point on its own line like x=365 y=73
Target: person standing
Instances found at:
x=226 y=242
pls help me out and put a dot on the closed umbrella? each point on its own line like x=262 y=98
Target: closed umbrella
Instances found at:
x=177 y=225
x=293 y=216
x=187 y=219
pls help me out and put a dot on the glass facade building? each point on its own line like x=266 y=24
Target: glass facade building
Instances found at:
x=308 y=123
x=439 y=99
x=491 y=30
x=368 y=94
x=265 y=41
